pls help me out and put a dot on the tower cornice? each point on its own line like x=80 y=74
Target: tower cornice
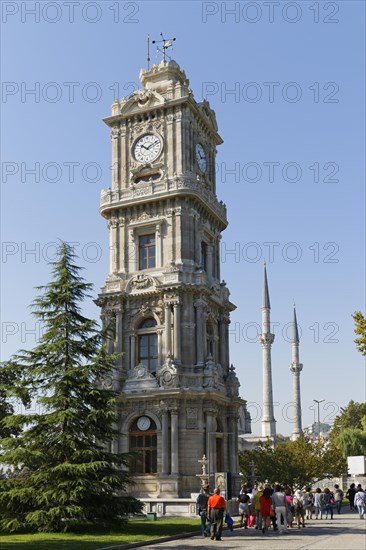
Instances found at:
x=150 y=192
x=130 y=107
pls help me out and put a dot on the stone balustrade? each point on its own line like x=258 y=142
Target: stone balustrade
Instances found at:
x=154 y=189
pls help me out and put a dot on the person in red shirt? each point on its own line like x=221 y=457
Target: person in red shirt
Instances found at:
x=265 y=503
x=216 y=508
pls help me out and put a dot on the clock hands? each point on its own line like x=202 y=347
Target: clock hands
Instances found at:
x=153 y=143
x=148 y=148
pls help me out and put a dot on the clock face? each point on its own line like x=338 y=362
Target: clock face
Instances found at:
x=143 y=423
x=147 y=148
x=201 y=157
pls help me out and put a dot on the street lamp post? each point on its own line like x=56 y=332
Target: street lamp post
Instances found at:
x=318 y=403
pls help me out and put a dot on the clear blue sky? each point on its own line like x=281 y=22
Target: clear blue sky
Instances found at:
x=286 y=80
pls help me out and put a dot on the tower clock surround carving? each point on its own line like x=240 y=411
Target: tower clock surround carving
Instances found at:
x=180 y=363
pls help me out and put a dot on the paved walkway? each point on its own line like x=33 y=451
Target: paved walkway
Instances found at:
x=345 y=532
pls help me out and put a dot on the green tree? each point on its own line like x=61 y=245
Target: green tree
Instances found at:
x=360 y=330
x=352 y=441
x=8 y=378
x=64 y=473
x=349 y=417
x=297 y=463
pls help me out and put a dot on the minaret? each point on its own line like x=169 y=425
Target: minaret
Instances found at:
x=266 y=339
x=296 y=368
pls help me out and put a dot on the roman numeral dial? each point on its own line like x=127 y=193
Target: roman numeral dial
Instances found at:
x=147 y=148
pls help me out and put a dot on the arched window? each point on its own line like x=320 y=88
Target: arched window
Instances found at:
x=143 y=442
x=148 y=344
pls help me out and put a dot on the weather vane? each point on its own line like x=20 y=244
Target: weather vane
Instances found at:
x=165 y=44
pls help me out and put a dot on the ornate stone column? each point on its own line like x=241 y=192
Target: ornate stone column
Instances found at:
x=165 y=442
x=232 y=443
x=197 y=244
x=222 y=334
x=227 y=323
x=178 y=235
x=178 y=130
x=160 y=346
x=177 y=337
x=169 y=141
x=209 y=262
x=174 y=442
x=132 y=252
x=124 y=171
x=110 y=327
x=119 y=337
x=217 y=259
x=133 y=351
x=122 y=246
x=200 y=320
x=159 y=248
x=115 y=133
x=168 y=329
x=113 y=252
x=169 y=248
x=211 y=440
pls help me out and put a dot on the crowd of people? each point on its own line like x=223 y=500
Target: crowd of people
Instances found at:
x=265 y=507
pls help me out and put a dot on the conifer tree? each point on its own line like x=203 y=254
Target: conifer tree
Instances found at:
x=64 y=472
x=360 y=330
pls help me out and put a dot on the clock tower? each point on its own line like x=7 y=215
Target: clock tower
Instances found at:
x=178 y=394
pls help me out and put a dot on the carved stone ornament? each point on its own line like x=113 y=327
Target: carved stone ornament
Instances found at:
x=168 y=374
x=213 y=375
x=216 y=288
x=143 y=96
x=209 y=381
x=139 y=378
x=192 y=418
x=232 y=383
x=115 y=132
x=208 y=113
x=145 y=309
x=141 y=281
x=144 y=217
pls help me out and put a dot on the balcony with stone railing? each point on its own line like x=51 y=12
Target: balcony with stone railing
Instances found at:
x=156 y=190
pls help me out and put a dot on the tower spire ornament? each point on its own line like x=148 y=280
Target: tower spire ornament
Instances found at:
x=296 y=368
x=267 y=339
x=166 y=43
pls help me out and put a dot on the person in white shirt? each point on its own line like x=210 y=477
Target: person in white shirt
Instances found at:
x=360 y=502
x=318 y=503
x=280 y=507
x=338 y=498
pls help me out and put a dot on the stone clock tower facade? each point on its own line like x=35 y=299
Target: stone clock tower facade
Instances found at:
x=178 y=395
